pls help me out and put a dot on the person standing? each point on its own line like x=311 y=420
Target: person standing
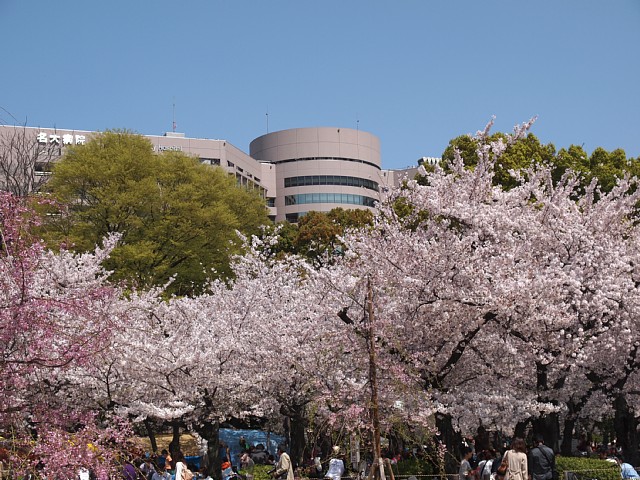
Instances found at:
x=484 y=467
x=336 y=465
x=182 y=471
x=284 y=466
x=517 y=468
x=542 y=460
x=465 y=472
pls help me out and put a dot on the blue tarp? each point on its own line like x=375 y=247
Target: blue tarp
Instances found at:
x=253 y=437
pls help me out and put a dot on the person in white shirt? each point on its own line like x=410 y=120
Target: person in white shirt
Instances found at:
x=284 y=468
x=484 y=467
x=336 y=465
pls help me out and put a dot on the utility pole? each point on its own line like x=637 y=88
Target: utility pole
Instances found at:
x=378 y=464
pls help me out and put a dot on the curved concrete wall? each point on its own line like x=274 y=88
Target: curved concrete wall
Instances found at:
x=316 y=142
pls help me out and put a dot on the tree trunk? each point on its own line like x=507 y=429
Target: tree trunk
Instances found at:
x=452 y=441
x=521 y=429
x=174 y=445
x=567 y=436
x=373 y=382
x=481 y=439
x=151 y=434
x=298 y=422
x=625 y=425
x=210 y=431
x=547 y=425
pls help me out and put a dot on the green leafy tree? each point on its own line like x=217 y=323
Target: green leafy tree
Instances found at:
x=572 y=158
x=606 y=166
x=177 y=217
x=520 y=155
x=316 y=236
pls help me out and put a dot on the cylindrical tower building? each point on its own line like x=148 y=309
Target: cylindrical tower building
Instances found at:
x=321 y=168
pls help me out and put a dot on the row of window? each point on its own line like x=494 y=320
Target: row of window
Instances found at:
x=347 y=198
x=342 y=159
x=216 y=161
x=330 y=180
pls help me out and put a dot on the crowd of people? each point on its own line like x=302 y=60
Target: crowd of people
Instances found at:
x=519 y=462
x=178 y=467
x=535 y=463
x=516 y=463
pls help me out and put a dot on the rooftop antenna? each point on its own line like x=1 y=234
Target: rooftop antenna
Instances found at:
x=267 y=115
x=358 y=135
x=173 y=124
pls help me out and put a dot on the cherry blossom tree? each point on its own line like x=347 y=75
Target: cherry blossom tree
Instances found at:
x=488 y=298
x=258 y=345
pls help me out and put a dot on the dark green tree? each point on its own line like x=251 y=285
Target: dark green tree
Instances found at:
x=177 y=217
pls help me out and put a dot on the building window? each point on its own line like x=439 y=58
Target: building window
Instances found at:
x=345 y=198
x=210 y=161
x=230 y=164
x=310 y=180
x=294 y=217
x=271 y=202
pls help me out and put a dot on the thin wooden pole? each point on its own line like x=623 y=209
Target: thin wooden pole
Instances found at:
x=373 y=382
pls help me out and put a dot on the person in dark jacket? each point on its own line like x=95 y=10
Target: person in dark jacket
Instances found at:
x=542 y=460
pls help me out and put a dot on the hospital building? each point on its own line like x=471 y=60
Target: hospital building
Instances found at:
x=295 y=171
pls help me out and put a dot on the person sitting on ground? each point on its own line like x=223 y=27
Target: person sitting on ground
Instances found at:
x=626 y=469
x=259 y=455
x=162 y=458
x=161 y=473
x=247 y=464
x=227 y=470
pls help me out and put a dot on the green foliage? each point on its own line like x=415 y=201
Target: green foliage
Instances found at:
x=587 y=468
x=413 y=466
x=260 y=472
x=316 y=234
x=517 y=156
x=607 y=167
x=177 y=217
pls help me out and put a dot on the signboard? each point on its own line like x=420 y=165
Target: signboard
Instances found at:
x=168 y=148
x=56 y=139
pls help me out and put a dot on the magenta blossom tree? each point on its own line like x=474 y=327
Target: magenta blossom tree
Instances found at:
x=56 y=313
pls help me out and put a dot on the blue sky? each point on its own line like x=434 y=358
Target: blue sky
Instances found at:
x=415 y=73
